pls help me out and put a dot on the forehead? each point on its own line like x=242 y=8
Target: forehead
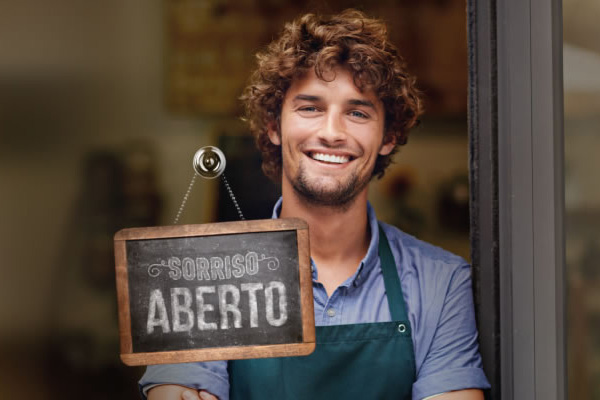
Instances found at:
x=337 y=81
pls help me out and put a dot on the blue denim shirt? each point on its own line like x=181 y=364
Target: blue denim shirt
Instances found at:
x=437 y=289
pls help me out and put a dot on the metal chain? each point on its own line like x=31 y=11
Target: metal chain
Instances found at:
x=235 y=203
x=185 y=198
x=189 y=190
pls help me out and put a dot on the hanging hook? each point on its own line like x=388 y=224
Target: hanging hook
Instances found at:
x=209 y=162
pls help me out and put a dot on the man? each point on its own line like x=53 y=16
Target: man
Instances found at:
x=329 y=105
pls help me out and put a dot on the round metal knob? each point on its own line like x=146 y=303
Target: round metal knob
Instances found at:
x=209 y=162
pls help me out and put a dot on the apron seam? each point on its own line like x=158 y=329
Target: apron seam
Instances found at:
x=367 y=339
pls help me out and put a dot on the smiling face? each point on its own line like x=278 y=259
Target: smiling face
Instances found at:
x=330 y=135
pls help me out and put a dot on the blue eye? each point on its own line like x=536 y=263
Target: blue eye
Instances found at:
x=359 y=114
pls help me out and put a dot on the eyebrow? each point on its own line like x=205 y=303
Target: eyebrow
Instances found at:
x=307 y=97
x=360 y=102
x=354 y=102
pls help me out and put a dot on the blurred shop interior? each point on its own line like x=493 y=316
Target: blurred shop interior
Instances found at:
x=102 y=107
x=581 y=64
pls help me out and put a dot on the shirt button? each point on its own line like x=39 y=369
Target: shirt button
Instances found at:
x=356 y=280
x=331 y=312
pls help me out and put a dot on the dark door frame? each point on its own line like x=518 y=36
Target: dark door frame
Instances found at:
x=517 y=194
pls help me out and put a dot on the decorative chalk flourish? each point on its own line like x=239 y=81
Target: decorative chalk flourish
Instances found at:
x=154 y=270
x=272 y=262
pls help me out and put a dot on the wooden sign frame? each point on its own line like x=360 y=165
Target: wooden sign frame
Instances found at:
x=129 y=357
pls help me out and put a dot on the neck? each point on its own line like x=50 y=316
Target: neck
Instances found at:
x=338 y=236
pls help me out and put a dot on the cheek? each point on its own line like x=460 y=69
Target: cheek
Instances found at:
x=370 y=139
x=300 y=126
x=295 y=134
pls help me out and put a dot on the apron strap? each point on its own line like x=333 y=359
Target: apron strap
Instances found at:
x=393 y=289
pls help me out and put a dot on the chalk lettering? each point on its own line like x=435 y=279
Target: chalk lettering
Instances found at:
x=157 y=303
x=251 y=288
x=202 y=266
x=216 y=268
x=227 y=298
x=178 y=309
x=203 y=308
x=174 y=264
x=232 y=307
x=189 y=269
x=251 y=263
x=237 y=265
x=282 y=303
x=227 y=267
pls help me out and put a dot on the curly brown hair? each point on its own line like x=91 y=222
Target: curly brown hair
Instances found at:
x=349 y=39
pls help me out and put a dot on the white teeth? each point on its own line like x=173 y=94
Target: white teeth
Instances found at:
x=330 y=158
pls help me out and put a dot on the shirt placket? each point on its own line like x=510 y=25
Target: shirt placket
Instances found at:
x=333 y=310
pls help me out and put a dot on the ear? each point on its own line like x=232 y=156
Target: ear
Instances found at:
x=273 y=133
x=387 y=147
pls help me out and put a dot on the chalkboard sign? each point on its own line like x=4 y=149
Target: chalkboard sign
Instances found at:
x=219 y=291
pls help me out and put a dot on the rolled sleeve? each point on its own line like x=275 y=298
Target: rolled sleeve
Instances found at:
x=453 y=361
x=210 y=376
x=447 y=381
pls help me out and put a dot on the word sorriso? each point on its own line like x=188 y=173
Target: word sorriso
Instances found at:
x=213 y=268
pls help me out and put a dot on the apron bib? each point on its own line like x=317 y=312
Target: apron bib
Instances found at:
x=370 y=360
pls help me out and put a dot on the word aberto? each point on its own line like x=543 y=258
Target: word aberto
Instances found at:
x=228 y=313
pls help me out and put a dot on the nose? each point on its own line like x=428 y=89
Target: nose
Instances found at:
x=333 y=130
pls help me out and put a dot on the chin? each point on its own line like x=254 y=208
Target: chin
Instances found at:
x=339 y=195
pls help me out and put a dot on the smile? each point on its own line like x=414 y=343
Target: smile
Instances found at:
x=329 y=158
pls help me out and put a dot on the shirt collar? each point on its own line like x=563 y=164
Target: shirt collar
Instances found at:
x=277 y=208
x=368 y=262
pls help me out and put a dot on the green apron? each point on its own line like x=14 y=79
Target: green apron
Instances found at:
x=370 y=360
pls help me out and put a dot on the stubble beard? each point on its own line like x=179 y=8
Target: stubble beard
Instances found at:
x=339 y=198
